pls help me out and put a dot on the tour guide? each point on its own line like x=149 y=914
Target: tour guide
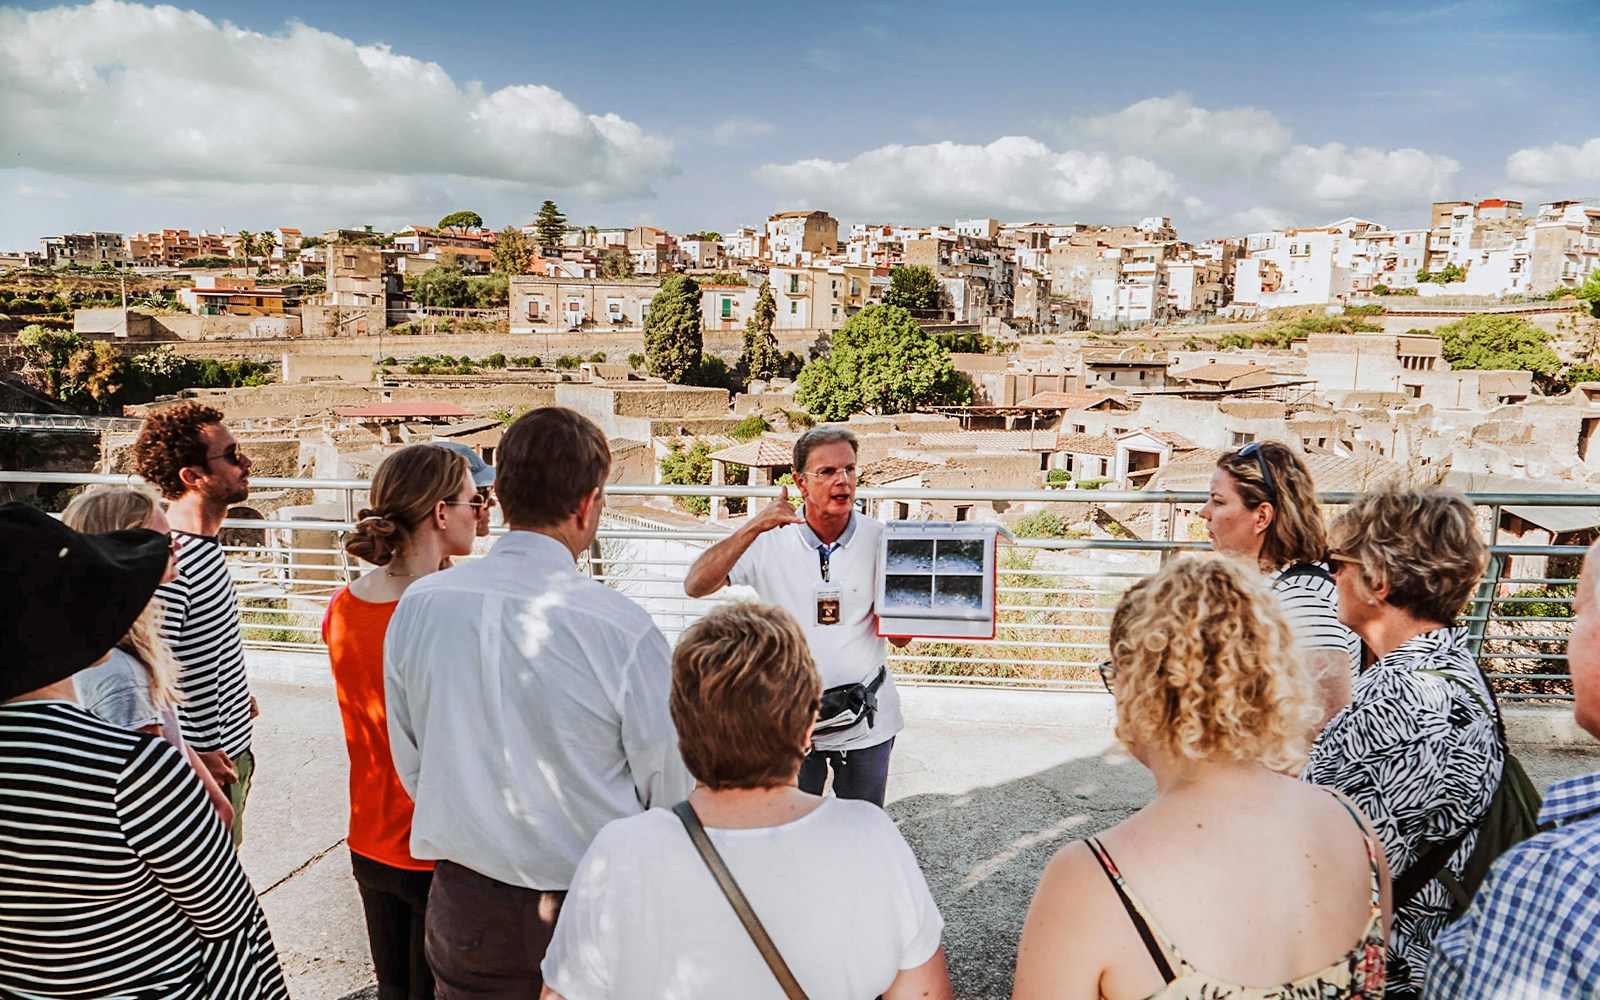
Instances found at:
x=822 y=569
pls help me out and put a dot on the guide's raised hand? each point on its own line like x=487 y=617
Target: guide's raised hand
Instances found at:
x=776 y=514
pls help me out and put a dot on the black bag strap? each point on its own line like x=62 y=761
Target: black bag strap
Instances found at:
x=1305 y=569
x=741 y=905
x=1430 y=863
x=1139 y=923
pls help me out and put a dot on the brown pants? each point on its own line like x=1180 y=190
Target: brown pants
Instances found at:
x=485 y=939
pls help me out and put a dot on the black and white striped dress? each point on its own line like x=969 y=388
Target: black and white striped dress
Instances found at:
x=116 y=880
x=202 y=624
x=1419 y=754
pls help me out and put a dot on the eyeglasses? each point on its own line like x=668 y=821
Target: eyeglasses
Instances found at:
x=1108 y=672
x=849 y=472
x=1336 y=559
x=1254 y=449
x=231 y=453
x=478 y=503
x=486 y=493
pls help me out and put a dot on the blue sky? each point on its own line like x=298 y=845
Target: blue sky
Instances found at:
x=1229 y=117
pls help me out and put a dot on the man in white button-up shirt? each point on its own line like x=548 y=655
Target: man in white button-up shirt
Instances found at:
x=527 y=708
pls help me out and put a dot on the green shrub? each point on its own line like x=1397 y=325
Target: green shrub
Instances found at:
x=1057 y=478
x=1091 y=484
x=752 y=426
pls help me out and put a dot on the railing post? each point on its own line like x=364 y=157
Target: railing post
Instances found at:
x=1483 y=602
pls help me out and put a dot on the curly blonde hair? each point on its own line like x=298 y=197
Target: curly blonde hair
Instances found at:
x=1425 y=543
x=1210 y=667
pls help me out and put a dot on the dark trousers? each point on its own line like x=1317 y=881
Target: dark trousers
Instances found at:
x=857 y=774
x=486 y=938
x=395 y=901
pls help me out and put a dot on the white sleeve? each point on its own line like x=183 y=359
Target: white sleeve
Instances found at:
x=579 y=957
x=747 y=569
x=649 y=739
x=402 y=733
x=922 y=925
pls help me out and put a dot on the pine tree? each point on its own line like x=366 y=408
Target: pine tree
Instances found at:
x=672 y=341
x=761 y=358
x=550 y=224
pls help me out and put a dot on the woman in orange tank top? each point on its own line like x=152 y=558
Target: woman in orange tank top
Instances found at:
x=424 y=509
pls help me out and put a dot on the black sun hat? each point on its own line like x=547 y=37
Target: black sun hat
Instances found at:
x=67 y=598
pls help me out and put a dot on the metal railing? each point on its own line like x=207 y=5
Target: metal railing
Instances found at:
x=1055 y=595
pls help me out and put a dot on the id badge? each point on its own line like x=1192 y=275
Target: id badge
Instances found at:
x=828 y=599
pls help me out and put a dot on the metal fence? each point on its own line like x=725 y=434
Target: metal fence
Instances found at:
x=1055 y=595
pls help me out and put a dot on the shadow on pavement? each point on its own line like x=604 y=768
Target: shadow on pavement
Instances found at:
x=983 y=852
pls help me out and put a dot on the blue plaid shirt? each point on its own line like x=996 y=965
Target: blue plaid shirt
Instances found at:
x=1533 y=930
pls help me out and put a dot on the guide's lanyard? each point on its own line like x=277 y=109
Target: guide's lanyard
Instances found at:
x=822 y=561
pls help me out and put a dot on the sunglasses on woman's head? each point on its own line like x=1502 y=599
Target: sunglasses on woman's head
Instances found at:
x=1254 y=449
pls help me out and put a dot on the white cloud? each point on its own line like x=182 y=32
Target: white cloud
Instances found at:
x=1337 y=179
x=1555 y=165
x=140 y=95
x=1012 y=176
x=1233 y=167
x=1208 y=144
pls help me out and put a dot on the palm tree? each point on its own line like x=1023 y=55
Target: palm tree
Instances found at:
x=244 y=245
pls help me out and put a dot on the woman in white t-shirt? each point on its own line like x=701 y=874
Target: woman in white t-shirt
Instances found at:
x=1263 y=508
x=135 y=685
x=832 y=881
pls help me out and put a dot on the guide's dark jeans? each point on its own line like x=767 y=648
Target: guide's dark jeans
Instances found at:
x=857 y=774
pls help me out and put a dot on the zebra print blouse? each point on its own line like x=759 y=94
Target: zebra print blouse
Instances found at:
x=116 y=880
x=1421 y=758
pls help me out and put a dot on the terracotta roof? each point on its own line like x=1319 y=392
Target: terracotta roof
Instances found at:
x=1217 y=373
x=892 y=469
x=1086 y=444
x=1178 y=441
x=990 y=440
x=762 y=453
x=1069 y=401
x=403 y=411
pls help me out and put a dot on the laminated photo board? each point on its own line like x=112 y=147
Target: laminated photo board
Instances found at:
x=936 y=579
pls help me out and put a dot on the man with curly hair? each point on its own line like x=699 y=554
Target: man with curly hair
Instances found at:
x=188 y=453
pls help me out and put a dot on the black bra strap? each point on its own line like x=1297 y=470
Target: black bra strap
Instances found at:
x=1139 y=923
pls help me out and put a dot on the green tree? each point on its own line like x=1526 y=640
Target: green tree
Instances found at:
x=672 y=341
x=244 y=245
x=616 y=264
x=443 y=287
x=1487 y=342
x=511 y=252
x=461 y=220
x=881 y=362
x=912 y=287
x=266 y=243
x=692 y=467
x=550 y=224
x=489 y=291
x=1589 y=291
x=760 y=358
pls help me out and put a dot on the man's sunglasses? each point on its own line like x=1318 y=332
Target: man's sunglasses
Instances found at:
x=231 y=453
x=1253 y=449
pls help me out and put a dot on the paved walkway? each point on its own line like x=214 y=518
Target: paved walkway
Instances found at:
x=985 y=786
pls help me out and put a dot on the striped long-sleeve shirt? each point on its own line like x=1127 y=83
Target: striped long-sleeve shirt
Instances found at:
x=202 y=624
x=116 y=880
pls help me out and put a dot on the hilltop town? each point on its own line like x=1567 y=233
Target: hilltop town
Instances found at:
x=1084 y=357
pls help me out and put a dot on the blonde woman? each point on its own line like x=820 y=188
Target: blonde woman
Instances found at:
x=1263 y=508
x=423 y=508
x=1237 y=881
x=1417 y=750
x=135 y=686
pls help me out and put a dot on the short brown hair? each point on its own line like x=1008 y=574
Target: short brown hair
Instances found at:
x=1210 y=668
x=816 y=437
x=1297 y=532
x=1424 y=543
x=745 y=694
x=404 y=492
x=170 y=441
x=549 y=460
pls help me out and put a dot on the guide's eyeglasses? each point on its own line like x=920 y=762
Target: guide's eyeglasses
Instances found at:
x=1254 y=449
x=849 y=472
x=231 y=453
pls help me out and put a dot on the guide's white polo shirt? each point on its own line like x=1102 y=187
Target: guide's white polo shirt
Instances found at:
x=784 y=568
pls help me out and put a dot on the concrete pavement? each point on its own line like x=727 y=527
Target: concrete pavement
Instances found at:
x=985 y=785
